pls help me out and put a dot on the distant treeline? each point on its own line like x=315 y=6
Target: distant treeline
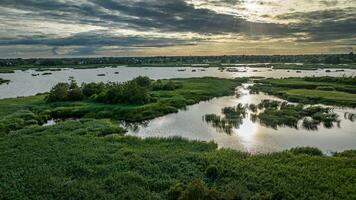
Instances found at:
x=322 y=58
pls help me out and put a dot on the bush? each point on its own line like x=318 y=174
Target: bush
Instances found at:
x=91 y=89
x=58 y=93
x=135 y=91
x=168 y=85
x=311 y=151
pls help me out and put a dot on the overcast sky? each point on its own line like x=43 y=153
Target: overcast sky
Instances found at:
x=77 y=28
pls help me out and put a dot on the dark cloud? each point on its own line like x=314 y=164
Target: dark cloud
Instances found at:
x=163 y=17
x=324 y=25
x=96 y=38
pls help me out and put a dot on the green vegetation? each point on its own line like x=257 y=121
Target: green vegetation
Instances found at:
x=339 y=91
x=233 y=117
x=136 y=91
x=278 y=114
x=275 y=114
x=67 y=101
x=92 y=159
x=88 y=158
x=2 y=81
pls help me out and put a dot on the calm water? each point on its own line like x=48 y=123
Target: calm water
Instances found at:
x=24 y=84
x=250 y=136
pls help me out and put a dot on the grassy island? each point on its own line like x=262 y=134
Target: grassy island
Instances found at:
x=67 y=101
x=340 y=91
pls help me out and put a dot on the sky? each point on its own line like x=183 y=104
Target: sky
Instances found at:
x=92 y=28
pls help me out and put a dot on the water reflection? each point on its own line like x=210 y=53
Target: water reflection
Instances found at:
x=274 y=114
x=250 y=135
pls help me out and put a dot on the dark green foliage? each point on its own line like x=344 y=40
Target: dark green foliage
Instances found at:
x=276 y=113
x=347 y=80
x=306 y=151
x=311 y=90
x=310 y=124
x=143 y=81
x=253 y=107
x=88 y=127
x=2 y=81
x=90 y=89
x=233 y=117
x=135 y=91
x=212 y=172
x=59 y=93
x=175 y=191
x=326 y=88
x=166 y=85
x=58 y=162
x=21 y=119
x=196 y=190
x=163 y=102
x=347 y=154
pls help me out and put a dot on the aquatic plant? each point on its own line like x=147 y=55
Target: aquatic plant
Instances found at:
x=233 y=118
x=275 y=113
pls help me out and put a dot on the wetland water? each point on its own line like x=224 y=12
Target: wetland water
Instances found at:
x=250 y=136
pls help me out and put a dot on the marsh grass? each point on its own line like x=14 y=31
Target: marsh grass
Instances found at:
x=232 y=118
x=340 y=91
x=278 y=114
x=92 y=159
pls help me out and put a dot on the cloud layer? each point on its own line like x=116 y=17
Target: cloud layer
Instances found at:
x=141 y=27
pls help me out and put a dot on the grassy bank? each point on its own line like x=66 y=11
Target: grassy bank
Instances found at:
x=92 y=160
x=24 y=111
x=339 y=91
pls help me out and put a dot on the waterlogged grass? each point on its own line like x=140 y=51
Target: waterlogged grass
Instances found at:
x=20 y=112
x=232 y=118
x=275 y=114
x=3 y=81
x=279 y=114
x=339 y=91
x=92 y=159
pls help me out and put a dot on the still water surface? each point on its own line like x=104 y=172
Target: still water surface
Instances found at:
x=250 y=136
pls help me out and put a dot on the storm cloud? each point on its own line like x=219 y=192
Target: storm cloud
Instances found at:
x=91 y=24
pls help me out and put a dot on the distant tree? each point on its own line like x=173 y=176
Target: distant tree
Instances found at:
x=89 y=89
x=59 y=92
x=142 y=81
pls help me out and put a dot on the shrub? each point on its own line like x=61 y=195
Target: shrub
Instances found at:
x=91 y=89
x=311 y=151
x=58 y=93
